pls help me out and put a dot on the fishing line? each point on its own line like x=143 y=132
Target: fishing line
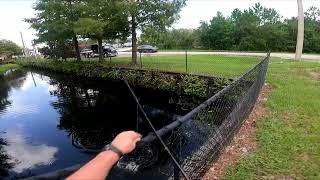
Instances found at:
x=155 y=131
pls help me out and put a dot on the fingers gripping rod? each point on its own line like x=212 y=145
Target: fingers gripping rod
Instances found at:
x=155 y=131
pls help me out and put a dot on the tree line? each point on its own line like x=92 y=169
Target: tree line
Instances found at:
x=255 y=29
x=61 y=23
x=9 y=48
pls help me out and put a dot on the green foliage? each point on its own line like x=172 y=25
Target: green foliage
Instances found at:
x=217 y=34
x=102 y=19
x=9 y=48
x=59 y=50
x=170 y=39
x=159 y=14
x=90 y=28
x=6 y=67
x=54 y=22
x=156 y=15
x=254 y=29
x=259 y=29
x=192 y=85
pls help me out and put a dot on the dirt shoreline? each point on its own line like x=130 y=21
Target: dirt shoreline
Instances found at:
x=244 y=142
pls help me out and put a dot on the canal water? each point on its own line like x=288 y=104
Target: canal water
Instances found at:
x=47 y=118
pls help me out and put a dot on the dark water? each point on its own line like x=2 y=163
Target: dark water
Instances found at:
x=46 y=118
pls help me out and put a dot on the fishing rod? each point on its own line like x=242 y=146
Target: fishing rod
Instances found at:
x=155 y=131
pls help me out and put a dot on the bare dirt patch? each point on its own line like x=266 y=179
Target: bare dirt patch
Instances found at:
x=315 y=75
x=244 y=142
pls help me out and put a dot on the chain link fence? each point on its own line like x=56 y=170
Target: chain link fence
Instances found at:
x=195 y=139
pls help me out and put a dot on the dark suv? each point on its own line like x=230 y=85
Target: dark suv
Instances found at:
x=147 y=49
x=108 y=51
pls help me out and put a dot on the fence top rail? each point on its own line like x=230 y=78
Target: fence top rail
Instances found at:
x=151 y=137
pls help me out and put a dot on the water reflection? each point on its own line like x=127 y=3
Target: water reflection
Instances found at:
x=25 y=155
x=94 y=114
x=50 y=118
x=12 y=79
x=4 y=159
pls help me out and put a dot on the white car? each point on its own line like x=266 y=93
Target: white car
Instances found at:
x=86 y=53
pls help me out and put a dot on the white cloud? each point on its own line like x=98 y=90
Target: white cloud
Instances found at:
x=12 y=14
x=25 y=155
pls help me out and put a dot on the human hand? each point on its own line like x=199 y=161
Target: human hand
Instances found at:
x=126 y=141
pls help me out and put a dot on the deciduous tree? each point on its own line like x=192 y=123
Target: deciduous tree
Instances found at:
x=156 y=13
x=102 y=20
x=9 y=48
x=54 y=21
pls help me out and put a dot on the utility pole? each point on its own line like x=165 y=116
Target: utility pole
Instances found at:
x=300 y=35
x=24 y=47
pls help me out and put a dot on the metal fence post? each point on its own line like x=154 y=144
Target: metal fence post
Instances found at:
x=140 y=61
x=186 y=61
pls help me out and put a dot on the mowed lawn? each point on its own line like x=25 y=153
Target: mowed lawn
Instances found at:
x=218 y=65
x=289 y=139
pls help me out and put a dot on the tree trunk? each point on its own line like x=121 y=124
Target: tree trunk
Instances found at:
x=100 y=49
x=300 y=36
x=134 y=40
x=76 y=46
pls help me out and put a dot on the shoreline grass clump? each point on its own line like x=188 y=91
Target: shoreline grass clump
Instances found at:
x=5 y=67
x=181 y=83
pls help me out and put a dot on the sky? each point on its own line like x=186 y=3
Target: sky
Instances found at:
x=12 y=13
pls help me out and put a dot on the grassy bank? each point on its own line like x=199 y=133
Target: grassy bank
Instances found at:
x=180 y=83
x=289 y=139
x=6 y=67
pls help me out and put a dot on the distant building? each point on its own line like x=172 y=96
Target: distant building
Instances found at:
x=3 y=57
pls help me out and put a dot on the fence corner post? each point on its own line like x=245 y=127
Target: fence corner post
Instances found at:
x=268 y=54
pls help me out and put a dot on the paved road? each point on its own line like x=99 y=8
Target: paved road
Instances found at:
x=309 y=57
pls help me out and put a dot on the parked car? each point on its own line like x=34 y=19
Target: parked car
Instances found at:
x=147 y=49
x=108 y=51
x=127 y=44
x=86 y=53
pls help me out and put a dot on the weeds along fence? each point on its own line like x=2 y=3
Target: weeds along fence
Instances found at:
x=197 y=138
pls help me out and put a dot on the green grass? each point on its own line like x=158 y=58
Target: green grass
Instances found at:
x=5 y=67
x=218 y=65
x=289 y=140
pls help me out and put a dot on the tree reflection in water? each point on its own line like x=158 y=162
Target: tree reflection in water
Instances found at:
x=13 y=79
x=4 y=159
x=95 y=111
